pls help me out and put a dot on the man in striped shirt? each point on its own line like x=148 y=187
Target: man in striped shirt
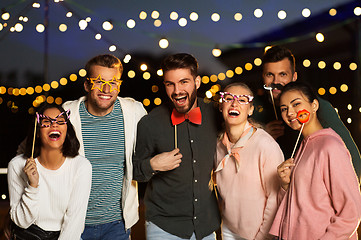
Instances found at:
x=106 y=127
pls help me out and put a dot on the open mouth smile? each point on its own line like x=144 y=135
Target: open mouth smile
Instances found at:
x=233 y=113
x=54 y=135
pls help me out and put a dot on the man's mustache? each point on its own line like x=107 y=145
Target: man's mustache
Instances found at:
x=273 y=86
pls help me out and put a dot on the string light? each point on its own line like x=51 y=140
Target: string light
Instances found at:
x=83 y=24
x=306 y=12
x=337 y=66
x=216 y=51
x=127 y=58
x=306 y=63
x=40 y=28
x=36 y=5
x=332 y=12
x=282 y=14
x=215 y=17
x=321 y=91
x=142 y=15
x=146 y=75
x=157 y=101
x=182 y=22
x=155 y=14
x=160 y=72
x=320 y=37
x=173 y=16
x=143 y=67
x=62 y=27
x=163 y=43
x=19 y=27
x=157 y=23
x=258 y=13
x=131 y=74
x=112 y=48
x=193 y=16
x=321 y=64
x=130 y=23
x=107 y=25
x=238 y=17
x=5 y=16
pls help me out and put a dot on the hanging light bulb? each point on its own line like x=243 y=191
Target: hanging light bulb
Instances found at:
x=107 y=25
x=5 y=15
x=163 y=43
x=216 y=51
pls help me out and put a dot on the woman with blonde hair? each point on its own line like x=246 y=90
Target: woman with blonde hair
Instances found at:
x=245 y=169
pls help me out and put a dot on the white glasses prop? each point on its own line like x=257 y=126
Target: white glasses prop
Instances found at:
x=242 y=99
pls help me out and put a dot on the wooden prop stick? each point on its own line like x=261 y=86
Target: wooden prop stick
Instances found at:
x=274 y=106
x=270 y=88
x=302 y=116
x=32 y=149
x=299 y=135
x=175 y=136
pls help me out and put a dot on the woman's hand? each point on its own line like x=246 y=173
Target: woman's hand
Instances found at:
x=284 y=172
x=32 y=172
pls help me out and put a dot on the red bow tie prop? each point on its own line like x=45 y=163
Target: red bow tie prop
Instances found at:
x=194 y=116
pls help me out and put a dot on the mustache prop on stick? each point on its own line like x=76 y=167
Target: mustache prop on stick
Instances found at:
x=302 y=116
x=270 y=88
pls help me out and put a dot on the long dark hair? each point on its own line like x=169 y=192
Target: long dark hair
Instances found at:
x=303 y=87
x=71 y=144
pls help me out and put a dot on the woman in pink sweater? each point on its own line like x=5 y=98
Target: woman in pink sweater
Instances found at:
x=246 y=169
x=320 y=197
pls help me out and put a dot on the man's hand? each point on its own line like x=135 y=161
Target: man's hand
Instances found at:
x=166 y=161
x=275 y=129
x=32 y=172
x=284 y=172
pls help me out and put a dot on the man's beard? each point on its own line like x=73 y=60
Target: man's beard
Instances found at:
x=192 y=98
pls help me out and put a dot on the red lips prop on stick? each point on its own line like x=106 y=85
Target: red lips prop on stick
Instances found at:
x=302 y=116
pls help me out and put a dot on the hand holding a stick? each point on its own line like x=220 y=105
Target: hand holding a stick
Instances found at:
x=31 y=172
x=284 y=172
x=166 y=161
x=30 y=168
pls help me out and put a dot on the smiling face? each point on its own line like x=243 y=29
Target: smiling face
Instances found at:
x=181 y=87
x=291 y=103
x=53 y=136
x=278 y=73
x=100 y=103
x=233 y=112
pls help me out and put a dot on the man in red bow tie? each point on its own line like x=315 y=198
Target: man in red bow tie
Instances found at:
x=174 y=154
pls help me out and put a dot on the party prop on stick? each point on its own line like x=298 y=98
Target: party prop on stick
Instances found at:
x=270 y=88
x=175 y=136
x=302 y=116
x=32 y=149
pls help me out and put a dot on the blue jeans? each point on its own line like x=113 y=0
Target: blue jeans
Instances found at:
x=154 y=232
x=107 y=231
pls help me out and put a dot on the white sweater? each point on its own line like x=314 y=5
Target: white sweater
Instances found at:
x=58 y=203
x=133 y=111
